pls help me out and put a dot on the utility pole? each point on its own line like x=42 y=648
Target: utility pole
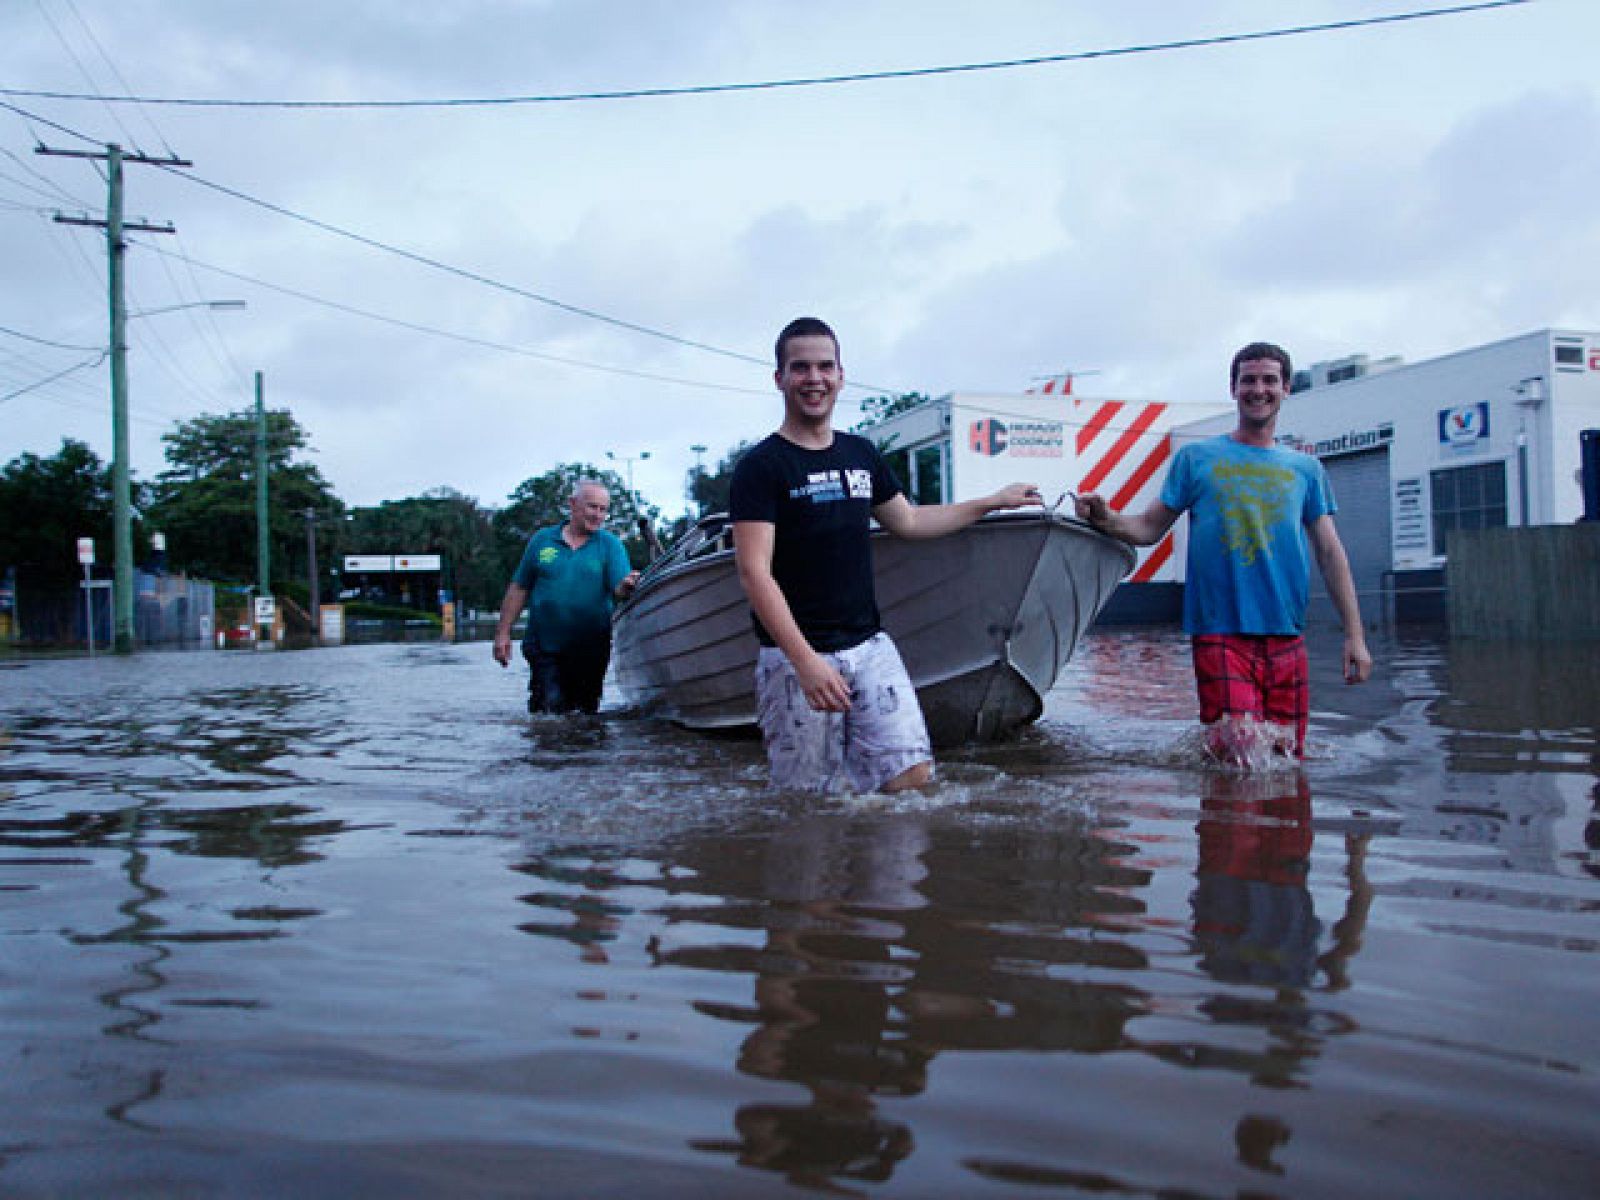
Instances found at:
x=263 y=540
x=311 y=559
x=121 y=476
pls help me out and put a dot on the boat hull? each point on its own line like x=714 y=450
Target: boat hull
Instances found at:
x=986 y=619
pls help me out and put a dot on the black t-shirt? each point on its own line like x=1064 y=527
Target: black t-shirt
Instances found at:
x=820 y=504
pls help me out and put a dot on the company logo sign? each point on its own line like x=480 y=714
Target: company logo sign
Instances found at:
x=988 y=436
x=1464 y=424
x=1345 y=443
x=1021 y=439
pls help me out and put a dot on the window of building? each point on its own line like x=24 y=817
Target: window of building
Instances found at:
x=920 y=471
x=927 y=475
x=1468 y=498
x=1569 y=355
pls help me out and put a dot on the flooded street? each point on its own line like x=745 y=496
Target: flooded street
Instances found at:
x=347 y=921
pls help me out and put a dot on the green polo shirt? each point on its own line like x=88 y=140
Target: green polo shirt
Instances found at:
x=570 y=591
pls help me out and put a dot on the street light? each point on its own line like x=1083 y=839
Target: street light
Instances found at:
x=699 y=473
x=630 y=459
x=214 y=305
x=121 y=480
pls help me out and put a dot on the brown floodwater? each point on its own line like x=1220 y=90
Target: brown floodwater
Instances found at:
x=346 y=921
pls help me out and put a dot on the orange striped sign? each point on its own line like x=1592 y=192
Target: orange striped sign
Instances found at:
x=1122 y=448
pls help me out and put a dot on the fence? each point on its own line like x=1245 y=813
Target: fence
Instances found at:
x=168 y=610
x=1538 y=583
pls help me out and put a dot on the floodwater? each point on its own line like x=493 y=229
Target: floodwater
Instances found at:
x=345 y=922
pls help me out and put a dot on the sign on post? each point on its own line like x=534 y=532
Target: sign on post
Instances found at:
x=86 y=551
x=266 y=610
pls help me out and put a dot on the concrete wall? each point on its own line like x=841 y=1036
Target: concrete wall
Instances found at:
x=1536 y=583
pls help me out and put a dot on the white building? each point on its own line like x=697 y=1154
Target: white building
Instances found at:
x=1480 y=438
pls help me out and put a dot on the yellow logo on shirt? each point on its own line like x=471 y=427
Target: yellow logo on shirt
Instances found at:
x=548 y=555
x=1254 y=498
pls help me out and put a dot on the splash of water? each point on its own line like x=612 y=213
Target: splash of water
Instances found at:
x=1239 y=741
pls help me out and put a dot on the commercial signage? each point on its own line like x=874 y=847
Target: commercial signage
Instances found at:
x=1345 y=443
x=1464 y=425
x=1020 y=439
x=1410 y=520
x=375 y=564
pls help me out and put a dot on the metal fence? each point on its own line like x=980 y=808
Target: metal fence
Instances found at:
x=168 y=610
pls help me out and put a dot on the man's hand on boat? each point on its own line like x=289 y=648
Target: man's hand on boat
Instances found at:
x=1016 y=495
x=1092 y=507
x=825 y=689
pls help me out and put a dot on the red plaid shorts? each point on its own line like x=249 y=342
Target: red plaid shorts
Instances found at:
x=1265 y=677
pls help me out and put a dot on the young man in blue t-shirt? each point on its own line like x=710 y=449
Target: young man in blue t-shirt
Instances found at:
x=834 y=701
x=1258 y=513
x=573 y=572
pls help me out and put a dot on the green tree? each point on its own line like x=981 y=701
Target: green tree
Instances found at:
x=206 y=500
x=708 y=490
x=542 y=501
x=47 y=504
x=442 y=521
x=875 y=410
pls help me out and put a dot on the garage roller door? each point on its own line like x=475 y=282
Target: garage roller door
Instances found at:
x=1361 y=488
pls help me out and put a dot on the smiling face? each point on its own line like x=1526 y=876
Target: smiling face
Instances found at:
x=1258 y=389
x=810 y=379
x=591 y=505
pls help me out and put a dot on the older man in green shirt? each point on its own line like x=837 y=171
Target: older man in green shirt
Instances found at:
x=573 y=572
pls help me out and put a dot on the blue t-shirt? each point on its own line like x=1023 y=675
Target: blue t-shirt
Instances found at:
x=1249 y=565
x=570 y=591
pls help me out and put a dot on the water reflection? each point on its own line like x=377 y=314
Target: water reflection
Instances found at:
x=874 y=942
x=144 y=794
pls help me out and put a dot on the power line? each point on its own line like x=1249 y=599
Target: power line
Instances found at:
x=1004 y=64
x=467 y=339
x=98 y=358
x=39 y=341
x=34 y=117
x=61 y=193
x=499 y=285
x=473 y=276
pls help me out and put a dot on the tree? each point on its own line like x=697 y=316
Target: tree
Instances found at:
x=875 y=410
x=708 y=490
x=47 y=504
x=443 y=522
x=206 y=501
x=542 y=501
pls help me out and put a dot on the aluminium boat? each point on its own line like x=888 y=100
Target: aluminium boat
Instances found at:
x=985 y=618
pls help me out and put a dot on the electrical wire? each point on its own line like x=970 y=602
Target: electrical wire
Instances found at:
x=39 y=341
x=435 y=331
x=1005 y=64
x=98 y=358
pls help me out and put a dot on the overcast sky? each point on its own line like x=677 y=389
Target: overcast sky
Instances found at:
x=1410 y=188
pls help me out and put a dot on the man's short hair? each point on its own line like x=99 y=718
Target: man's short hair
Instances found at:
x=587 y=481
x=1257 y=350
x=803 y=327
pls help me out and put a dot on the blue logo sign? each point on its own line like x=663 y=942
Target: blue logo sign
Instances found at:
x=1464 y=424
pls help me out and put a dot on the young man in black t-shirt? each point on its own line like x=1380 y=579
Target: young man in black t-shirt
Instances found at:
x=834 y=700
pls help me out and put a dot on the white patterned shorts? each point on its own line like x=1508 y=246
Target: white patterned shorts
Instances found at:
x=880 y=737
